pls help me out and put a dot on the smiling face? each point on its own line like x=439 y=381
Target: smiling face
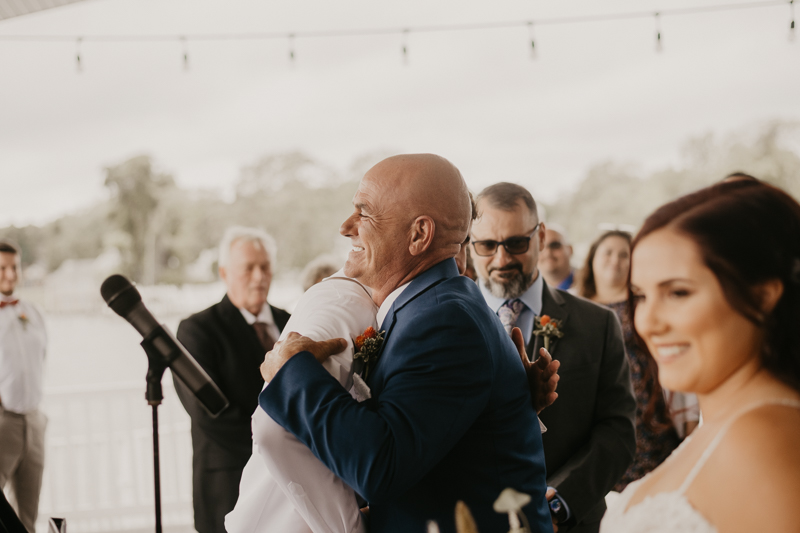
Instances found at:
x=507 y=275
x=247 y=275
x=611 y=263
x=9 y=274
x=696 y=337
x=379 y=231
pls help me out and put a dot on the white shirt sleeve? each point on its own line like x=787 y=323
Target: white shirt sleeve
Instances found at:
x=284 y=487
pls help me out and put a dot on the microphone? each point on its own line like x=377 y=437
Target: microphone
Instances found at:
x=123 y=298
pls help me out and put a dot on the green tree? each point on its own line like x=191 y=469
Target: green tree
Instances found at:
x=136 y=192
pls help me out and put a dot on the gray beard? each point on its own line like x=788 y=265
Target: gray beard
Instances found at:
x=513 y=288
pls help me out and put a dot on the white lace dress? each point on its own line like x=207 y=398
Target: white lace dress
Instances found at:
x=670 y=512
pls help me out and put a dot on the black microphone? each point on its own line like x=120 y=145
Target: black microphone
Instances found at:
x=123 y=298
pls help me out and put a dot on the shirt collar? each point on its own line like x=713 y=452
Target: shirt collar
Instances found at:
x=265 y=315
x=11 y=298
x=387 y=303
x=532 y=298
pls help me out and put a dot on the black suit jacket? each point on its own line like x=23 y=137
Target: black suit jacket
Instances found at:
x=227 y=347
x=590 y=438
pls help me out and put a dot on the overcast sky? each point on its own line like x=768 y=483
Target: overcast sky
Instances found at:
x=595 y=91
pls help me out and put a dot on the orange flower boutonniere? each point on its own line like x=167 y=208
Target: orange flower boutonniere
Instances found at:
x=547 y=327
x=24 y=319
x=367 y=347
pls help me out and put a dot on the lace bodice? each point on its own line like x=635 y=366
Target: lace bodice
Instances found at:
x=670 y=512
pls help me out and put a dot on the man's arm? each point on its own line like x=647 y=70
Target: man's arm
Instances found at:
x=382 y=451
x=592 y=471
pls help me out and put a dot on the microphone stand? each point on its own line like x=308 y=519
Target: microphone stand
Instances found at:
x=156 y=364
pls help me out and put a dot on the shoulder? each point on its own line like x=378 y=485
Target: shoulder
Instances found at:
x=760 y=457
x=203 y=319
x=583 y=306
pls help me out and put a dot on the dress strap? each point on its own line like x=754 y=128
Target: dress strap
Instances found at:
x=718 y=437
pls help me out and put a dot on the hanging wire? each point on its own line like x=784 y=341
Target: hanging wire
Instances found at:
x=78 y=65
x=185 y=53
x=533 y=42
x=659 y=46
x=405 y=46
x=791 y=25
x=291 y=48
x=417 y=29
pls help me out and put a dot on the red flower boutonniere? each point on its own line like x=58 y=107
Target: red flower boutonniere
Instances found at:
x=24 y=319
x=367 y=346
x=546 y=327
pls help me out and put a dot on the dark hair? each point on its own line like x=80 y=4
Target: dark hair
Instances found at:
x=8 y=247
x=585 y=283
x=739 y=176
x=504 y=195
x=748 y=233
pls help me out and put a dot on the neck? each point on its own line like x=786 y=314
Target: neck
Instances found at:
x=610 y=295
x=554 y=279
x=379 y=294
x=741 y=388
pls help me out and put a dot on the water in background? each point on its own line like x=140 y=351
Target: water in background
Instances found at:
x=98 y=464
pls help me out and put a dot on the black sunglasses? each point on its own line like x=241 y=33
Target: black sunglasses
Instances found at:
x=513 y=245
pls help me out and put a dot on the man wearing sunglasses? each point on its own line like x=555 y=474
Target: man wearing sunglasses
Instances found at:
x=554 y=261
x=590 y=438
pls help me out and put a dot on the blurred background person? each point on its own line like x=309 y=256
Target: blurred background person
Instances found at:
x=229 y=340
x=321 y=267
x=554 y=259
x=604 y=279
x=23 y=343
x=716 y=287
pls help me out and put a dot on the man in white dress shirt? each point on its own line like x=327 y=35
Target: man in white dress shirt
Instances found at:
x=23 y=341
x=285 y=488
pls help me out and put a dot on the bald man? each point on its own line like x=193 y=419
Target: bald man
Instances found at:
x=448 y=409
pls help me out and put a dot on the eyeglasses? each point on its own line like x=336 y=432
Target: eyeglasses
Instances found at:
x=555 y=245
x=513 y=245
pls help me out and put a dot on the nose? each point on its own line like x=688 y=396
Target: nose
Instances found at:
x=501 y=257
x=348 y=226
x=647 y=319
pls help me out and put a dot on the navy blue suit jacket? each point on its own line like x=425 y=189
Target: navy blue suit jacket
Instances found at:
x=450 y=416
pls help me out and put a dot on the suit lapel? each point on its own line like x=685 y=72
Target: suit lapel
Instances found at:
x=553 y=305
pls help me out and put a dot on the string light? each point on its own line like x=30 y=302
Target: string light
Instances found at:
x=185 y=53
x=405 y=47
x=78 y=66
x=405 y=31
x=533 y=42
x=659 y=46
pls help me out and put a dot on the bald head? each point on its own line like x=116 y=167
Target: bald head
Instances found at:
x=411 y=212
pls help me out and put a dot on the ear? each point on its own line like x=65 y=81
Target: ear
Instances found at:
x=769 y=293
x=422 y=231
x=223 y=274
x=541 y=235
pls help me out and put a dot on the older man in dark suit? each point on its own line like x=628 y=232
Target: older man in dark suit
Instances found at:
x=590 y=438
x=229 y=340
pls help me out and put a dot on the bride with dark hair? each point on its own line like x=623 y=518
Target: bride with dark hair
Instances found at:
x=716 y=291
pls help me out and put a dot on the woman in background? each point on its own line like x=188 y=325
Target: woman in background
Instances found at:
x=716 y=286
x=604 y=279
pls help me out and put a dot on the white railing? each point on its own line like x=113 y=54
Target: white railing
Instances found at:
x=99 y=460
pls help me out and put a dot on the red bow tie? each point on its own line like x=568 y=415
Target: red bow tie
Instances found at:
x=11 y=302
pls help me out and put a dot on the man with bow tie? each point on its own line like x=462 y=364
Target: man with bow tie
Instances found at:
x=23 y=341
x=229 y=340
x=590 y=438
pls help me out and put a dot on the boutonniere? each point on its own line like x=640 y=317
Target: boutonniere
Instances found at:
x=544 y=326
x=24 y=319
x=367 y=346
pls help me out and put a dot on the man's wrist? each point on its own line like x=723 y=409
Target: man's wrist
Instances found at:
x=559 y=509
